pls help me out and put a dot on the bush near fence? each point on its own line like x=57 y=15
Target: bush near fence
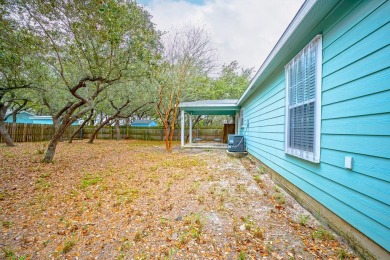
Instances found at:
x=35 y=132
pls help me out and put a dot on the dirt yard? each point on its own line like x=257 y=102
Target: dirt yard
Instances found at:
x=132 y=200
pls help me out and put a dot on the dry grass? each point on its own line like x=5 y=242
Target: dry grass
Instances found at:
x=132 y=200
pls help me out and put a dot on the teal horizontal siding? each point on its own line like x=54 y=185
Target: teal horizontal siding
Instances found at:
x=337 y=204
x=378 y=82
x=277 y=137
x=377 y=124
x=268 y=129
x=258 y=122
x=272 y=88
x=277 y=112
x=255 y=139
x=374 y=190
x=361 y=68
x=269 y=113
x=360 y=22
x=376 y=167
x=276 y=95
x=341 y=185
x=368 y=145
x=359 y=50
x=355 y=121
x=378 y=103
x=272 y=110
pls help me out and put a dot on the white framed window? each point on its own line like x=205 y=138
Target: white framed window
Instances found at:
x=241 y=118
x=303 y=102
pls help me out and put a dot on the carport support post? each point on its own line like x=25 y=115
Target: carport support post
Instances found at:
x=236 y=120
x=190 y=122
x=182 y=128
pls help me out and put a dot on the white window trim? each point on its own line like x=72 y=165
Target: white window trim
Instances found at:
x=310 y=156
x=241 y=118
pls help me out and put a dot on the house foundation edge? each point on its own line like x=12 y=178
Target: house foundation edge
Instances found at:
x=363 y=245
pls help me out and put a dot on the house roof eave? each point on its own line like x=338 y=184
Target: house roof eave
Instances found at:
x=309 y=15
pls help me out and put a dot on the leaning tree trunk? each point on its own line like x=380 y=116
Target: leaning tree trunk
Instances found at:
x=97 y=129
x=108 y=119
x=14 y=117
x=51 y=148
x=3 y=131
x=81 y=127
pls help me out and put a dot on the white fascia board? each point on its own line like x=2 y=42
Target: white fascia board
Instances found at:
x=184 y=105
x=211 y=105
x=303 y=11
x=40 y=117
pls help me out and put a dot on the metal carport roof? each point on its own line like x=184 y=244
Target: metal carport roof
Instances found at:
x=211 y=107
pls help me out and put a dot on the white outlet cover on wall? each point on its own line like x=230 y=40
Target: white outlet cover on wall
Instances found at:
x=348 y=162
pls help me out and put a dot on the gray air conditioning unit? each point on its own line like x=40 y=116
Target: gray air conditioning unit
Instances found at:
x=236 y=143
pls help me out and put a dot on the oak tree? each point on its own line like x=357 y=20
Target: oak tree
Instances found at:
x=187 y=55
x=89 y=46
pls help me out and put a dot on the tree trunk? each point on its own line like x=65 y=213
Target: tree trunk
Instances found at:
x=81 y=127
x=14 y=117
x=108 y=119
x=171 y=133
x=61 y=123
x=166 y=136
x=117 y=129
x=3 y=131
x=56 y=123
x=51 y=148
x=50 y=151
x=97 y=129
x=172 y=124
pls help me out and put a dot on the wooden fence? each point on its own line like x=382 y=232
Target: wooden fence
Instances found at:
x=151 y=133
x=34 y=132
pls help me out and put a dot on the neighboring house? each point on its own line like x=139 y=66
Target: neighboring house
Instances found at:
x=143 y=123
x=317 y=114
x=24 y=117
x=42 y=120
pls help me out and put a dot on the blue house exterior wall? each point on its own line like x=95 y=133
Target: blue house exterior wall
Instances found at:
x=22 y=117
x=355 y=119
x=43 y=121
x=27 y=118
x=47 y=121
x=151 y=124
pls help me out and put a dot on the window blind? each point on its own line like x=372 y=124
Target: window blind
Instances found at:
x=302 y=102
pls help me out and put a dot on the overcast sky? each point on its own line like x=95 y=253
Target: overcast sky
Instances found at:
x=242 y=30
